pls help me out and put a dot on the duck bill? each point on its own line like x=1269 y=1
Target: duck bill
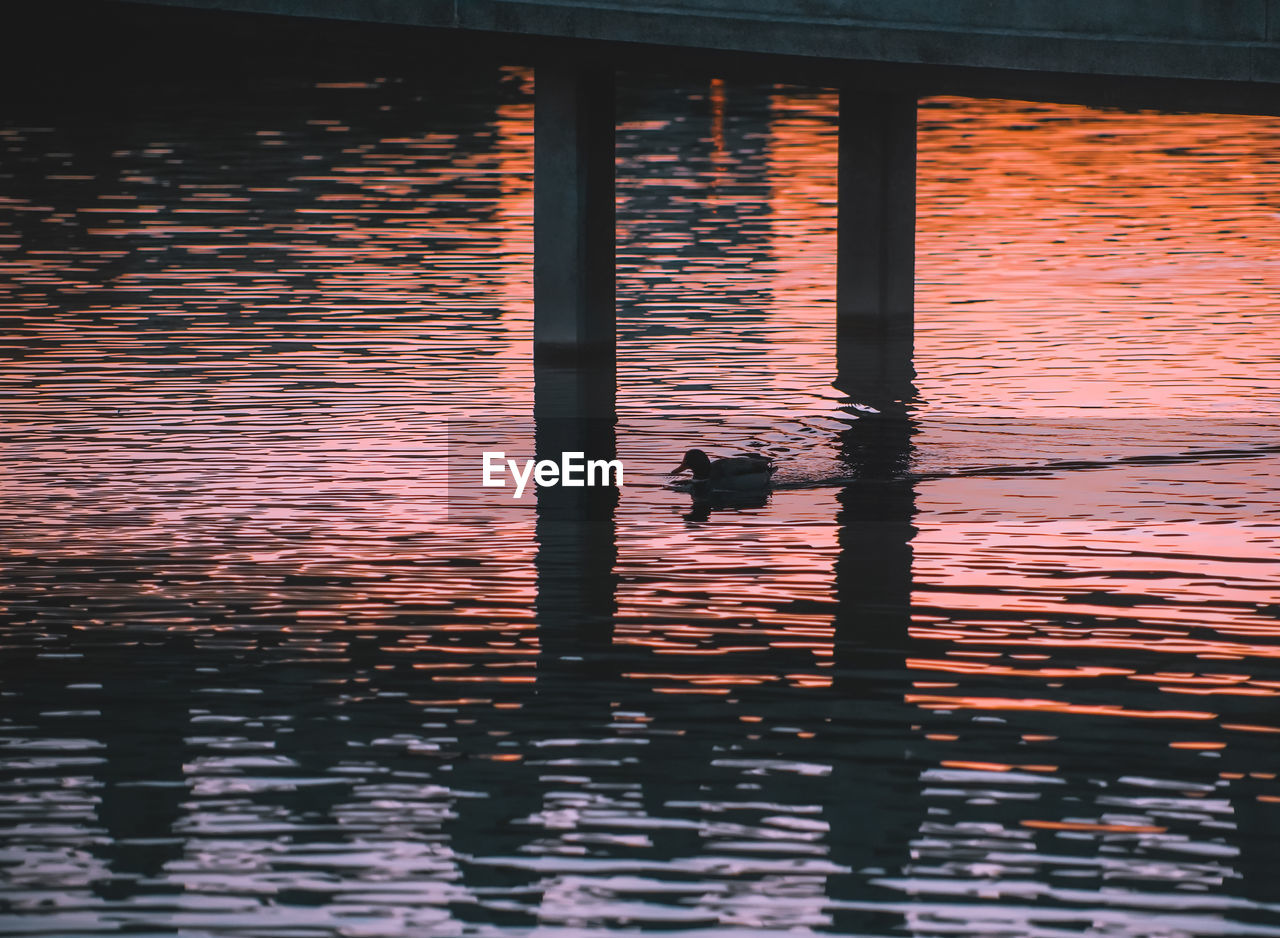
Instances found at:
x=680 y=468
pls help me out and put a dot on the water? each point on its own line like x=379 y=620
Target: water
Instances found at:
x=261 y=677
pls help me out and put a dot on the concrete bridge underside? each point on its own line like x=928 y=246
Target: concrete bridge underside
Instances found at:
x=1213 y=55
x=1220 y=40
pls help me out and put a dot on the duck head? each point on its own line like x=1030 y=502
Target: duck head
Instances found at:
x=697 y=462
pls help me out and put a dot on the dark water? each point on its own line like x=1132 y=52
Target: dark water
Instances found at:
x=261 y=677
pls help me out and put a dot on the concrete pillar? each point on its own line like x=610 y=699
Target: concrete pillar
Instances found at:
x=573 y=213
x=875 y=273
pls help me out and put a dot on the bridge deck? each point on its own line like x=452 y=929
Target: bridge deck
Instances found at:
x=1218 y=40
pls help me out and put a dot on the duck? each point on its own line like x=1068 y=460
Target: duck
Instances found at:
x=748 y=472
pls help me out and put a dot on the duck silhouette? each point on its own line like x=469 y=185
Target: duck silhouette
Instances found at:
x=748 y=472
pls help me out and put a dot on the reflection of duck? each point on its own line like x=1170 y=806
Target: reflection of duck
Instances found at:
x=749 y=472
x=704 y=503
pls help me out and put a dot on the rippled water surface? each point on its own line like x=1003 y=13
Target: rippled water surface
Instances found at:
x=261 y=678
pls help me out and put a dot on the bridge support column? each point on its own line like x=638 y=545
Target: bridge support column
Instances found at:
x=875 y=268
x=573 y=213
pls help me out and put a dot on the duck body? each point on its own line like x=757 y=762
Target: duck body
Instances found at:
x=749 y=472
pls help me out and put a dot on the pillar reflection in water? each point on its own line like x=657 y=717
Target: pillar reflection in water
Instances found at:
x=876 y=807
x=144 y=785
x=574 y=412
